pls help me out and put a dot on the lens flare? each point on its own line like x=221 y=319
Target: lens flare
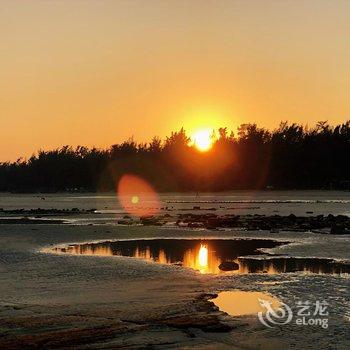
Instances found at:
x=135 y=199
x=137 y=196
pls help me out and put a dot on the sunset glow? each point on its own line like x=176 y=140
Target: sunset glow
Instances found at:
x=172 y=146
x=202 y=139
x=203 y=256
x=129 y=78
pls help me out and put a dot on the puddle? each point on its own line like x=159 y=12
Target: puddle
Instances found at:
x=273 y=265
x=238 y=303
x=206 y=256
x=209 y=256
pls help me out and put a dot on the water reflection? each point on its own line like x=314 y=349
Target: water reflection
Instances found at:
x=205 y=256
x=273 y=265
x=202 y=258
x=238 y=303
x=210 y=256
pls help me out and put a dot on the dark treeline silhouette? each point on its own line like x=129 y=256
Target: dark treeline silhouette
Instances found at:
x=290 y=157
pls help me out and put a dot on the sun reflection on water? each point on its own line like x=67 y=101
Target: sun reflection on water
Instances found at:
x=197 y=259
x=206 y=256
x=203 y=256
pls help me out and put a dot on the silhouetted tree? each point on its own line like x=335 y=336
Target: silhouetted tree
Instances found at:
x=289 y=157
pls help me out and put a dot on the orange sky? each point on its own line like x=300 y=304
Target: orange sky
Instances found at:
x=96 y=72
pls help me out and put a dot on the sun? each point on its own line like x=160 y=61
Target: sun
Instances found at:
x=202 y=139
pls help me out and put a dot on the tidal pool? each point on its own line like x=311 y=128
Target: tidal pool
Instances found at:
x=209 y=255
x=206 y=256
x=277 y=264
x=239 y=303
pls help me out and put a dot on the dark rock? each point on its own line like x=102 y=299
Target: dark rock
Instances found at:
x=212 y=223
x=150 y=221
x=195 y=224
x=125 y=222
x=21 y=221
x=228 y=266
x=339 y=230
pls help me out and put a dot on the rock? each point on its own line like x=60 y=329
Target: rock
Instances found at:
x=292 y=216
x=21 y=221
x=212 y=223
x=150 y=221
x=339 y=230
x=181 y=223
x=228 y=266
x=125 y=222
x=195 y=224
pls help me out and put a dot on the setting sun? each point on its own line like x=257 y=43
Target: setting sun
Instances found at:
x=202 y=139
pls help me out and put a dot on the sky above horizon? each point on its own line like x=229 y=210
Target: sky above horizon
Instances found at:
x=95 y=73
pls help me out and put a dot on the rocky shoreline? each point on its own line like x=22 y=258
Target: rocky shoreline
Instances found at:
x=39 y=215
x=45 y=212
x=324 y=224
x=339 y=224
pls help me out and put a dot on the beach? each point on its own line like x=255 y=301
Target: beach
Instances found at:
x=58 y=300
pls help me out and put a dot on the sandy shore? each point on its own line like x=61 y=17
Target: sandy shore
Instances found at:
x=63 y=301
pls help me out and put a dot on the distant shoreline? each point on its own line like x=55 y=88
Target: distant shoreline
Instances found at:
x=187 y=192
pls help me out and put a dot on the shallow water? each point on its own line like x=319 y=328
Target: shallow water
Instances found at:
x=108 y=290
x=239 y=303
x=275 y=265
x=234 y=202
x=205 y=256
x=214 y=256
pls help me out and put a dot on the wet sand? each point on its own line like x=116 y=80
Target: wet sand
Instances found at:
x=87 y=302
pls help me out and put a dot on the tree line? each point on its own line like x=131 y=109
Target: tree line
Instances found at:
x=290 y=157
